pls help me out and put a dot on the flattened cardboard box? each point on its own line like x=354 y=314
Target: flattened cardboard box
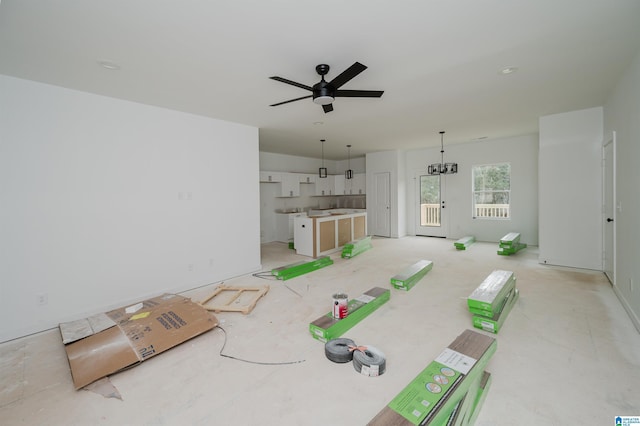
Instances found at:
x=107 y=343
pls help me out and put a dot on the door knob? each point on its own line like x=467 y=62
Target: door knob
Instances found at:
x=609 y=219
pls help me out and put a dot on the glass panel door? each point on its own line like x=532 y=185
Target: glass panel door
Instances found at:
x=430 y=215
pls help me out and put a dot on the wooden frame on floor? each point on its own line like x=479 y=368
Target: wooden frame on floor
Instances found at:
x=226 y=305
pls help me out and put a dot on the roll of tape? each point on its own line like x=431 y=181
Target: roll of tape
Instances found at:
x=337 y=350
x=369 y=361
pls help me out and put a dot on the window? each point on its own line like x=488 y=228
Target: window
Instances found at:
x=491 y=191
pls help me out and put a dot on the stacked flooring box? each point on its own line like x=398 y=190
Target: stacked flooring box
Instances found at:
x=510 y=244
x=464 y=242
x=408 y=278
x=492 y=301
x=354 y=248
x=449 y=391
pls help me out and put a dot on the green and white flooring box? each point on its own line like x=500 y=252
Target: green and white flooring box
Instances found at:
x=327 y=327
x=489 y=295
x=410 y=276
x=432 y=396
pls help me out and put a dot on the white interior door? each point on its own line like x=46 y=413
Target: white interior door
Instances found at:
x=431 y=219
x=382 y=204
x=609 y=210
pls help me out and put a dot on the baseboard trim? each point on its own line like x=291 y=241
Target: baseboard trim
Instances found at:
x=634 y=317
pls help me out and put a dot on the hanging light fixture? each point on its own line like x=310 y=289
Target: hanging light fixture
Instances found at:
x=442 y=168
x=322 y=171
x=348 y=174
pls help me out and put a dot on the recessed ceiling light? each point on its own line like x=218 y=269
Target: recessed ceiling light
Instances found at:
x=318 y=123
x=508 y=70
x=109 y=65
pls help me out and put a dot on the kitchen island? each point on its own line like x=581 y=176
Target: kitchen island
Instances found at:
x=317 y=236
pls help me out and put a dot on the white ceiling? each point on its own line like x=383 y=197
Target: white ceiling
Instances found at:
x=438 y=62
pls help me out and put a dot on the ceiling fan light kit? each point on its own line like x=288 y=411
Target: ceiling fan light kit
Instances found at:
x=442 y=168
x=324 y=93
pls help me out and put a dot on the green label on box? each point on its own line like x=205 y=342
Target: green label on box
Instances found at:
x=424 y=392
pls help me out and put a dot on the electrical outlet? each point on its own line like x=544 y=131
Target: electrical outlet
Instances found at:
x=42 y=299
x=211 y=262
x=190 y=267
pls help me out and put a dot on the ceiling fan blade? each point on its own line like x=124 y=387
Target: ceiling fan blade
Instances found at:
x=327 y=108
x=293 y=83
x=347 y=74
x=358 y=93
x=291 y=100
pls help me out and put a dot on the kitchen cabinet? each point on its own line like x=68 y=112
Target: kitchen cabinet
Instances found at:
x=358 y=184
x=321 y=235
x=289 y=182
x=339 y=185
x=306 y=178
x=290 y=186
x=355 y=186
x=270 y=177
x=325 y=186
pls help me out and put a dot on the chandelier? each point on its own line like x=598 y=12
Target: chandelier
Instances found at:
x=442 y=168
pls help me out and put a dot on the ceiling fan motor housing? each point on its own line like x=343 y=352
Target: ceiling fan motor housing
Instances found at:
x=323 y=93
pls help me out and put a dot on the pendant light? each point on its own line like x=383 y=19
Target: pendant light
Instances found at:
x=348 y=174
x=442 y=168
x=322 y=171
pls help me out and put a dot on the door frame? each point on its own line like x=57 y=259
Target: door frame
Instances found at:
x=441 y=231
x=609 y=207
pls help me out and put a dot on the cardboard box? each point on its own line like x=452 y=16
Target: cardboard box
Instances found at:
x=497 y=310
x=494 y=323
x=107 y=343
x=410 y=276
x=327 y=327
x=512 y=238
x=467 y=410
x=464 y=242
x=435 y=393
x=489 y=295
x=485 y=384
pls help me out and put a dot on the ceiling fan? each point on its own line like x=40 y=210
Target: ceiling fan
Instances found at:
x=324 y=93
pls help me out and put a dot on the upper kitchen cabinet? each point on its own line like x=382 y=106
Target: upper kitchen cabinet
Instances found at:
x=339 y=185
x=288 y=182
x=270 y=176
x=290 y=185
x=355 y=186
x=358 y=184
x=325 y=186
x=306 y=178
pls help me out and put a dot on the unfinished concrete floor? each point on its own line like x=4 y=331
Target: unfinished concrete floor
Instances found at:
x=567 y=354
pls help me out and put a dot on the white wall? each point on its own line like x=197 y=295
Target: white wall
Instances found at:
x=622 y=114
x=570 y=189
x=521 y=152
x=105 y=202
